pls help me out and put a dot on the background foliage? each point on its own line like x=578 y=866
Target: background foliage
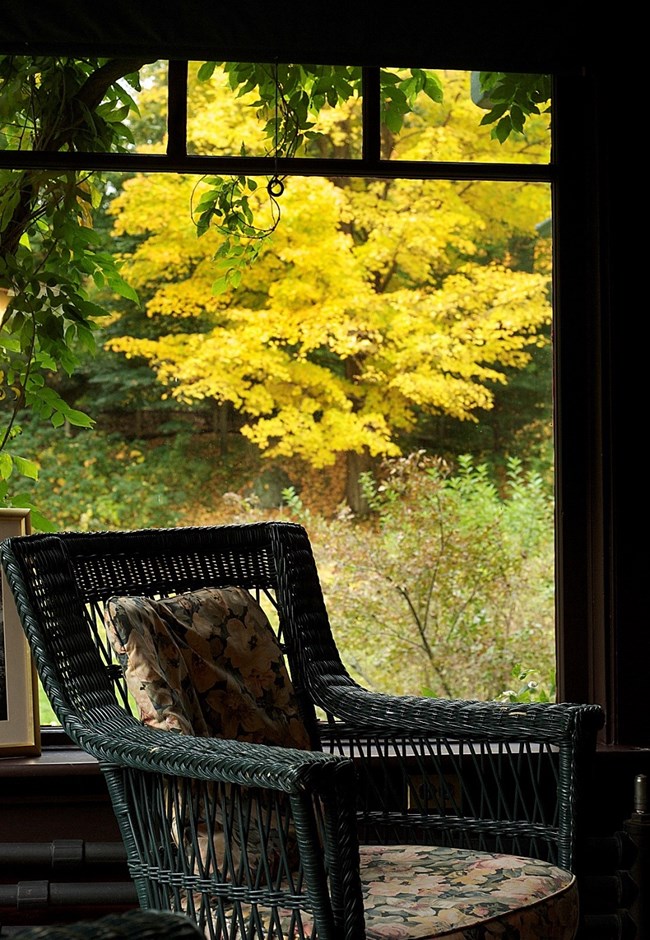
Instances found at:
x=443 y=590
x=399 y=321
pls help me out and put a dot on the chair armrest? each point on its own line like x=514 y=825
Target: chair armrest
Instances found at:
x=228 y=824
x=457 y=719
x=123 y=740
x=499 y=777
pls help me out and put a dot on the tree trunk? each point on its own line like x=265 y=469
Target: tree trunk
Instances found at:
x=220 y=424
x=356 y=464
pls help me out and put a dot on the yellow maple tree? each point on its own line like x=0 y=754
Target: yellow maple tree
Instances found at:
x=373 y=302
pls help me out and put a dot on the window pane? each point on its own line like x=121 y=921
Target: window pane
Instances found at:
x=149 y=126
x=40 y=91
x=393 y=334
x=388 y=350
x=443 y=121
x=227 y=117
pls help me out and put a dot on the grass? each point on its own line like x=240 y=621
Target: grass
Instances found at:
x=46 y=712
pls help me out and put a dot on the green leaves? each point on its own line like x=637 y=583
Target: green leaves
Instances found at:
x=230 y=259
x=10 y=462
x=27 y=468
x=206 y=71
x=512 y=99
x=47 y=403
x=226 y=205
x=529 y=686
x=6 y=465
x=399 y=94
x=49 y=252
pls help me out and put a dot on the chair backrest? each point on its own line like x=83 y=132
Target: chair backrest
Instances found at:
x=61 y=583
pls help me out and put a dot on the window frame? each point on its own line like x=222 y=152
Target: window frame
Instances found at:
x=588 y=650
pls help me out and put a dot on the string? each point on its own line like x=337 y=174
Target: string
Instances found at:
x=275 y=186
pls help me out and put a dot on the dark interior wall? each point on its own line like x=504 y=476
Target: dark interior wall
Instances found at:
x=504 y=36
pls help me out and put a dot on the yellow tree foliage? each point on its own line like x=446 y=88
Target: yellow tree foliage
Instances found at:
x=373 y=301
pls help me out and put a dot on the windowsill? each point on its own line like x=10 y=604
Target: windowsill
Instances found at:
x=58 y=757
x=56 y=761
x=622 y=749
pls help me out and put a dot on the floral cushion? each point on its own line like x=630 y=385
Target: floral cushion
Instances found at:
x=422 y=892
x=206 y=663
x=439 y=893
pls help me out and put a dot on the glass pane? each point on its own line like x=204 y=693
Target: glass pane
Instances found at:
x=148 y=124
x=442 y=121
x=392 y=343
x=227 y=116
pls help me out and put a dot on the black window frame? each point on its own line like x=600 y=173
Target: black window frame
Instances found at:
x=598 y=644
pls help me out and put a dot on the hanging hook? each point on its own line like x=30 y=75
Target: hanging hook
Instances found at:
x=275 y=187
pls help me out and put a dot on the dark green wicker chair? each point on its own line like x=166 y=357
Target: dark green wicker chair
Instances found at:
x=369 y=833
x=128 y=925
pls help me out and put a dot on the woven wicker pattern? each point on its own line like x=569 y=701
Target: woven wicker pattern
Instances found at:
x=383 y=770
x=131 y=925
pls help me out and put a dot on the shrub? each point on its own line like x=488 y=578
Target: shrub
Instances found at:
x=447 y=589
x=449 y=586
x=91 y=480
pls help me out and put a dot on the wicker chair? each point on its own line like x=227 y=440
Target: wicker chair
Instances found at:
x=404 y=817
x=128 y=925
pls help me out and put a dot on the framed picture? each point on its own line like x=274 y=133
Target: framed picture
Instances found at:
x=19 y=713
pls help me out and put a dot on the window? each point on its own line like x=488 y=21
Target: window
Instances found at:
x=582 y=487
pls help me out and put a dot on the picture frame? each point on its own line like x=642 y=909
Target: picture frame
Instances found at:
x=19 y=706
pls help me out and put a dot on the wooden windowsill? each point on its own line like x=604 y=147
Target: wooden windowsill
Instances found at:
x=52 y=762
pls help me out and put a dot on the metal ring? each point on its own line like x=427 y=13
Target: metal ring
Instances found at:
x=275 y=187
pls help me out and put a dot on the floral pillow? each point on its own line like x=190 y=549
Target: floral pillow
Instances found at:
x=206 y=663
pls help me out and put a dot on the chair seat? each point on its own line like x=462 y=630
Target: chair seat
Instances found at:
x=422 y=892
